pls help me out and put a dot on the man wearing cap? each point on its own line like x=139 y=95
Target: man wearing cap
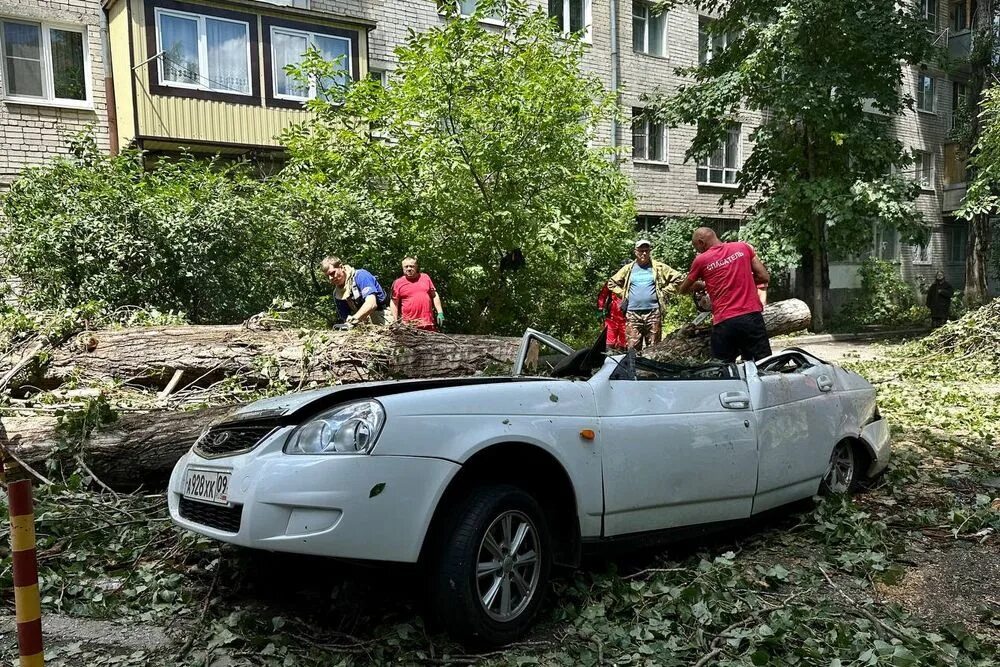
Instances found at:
x=644 y=286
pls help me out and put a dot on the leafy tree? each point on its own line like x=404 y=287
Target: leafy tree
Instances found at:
x=979 y=135
x=478 y=155
x=187 y=236
x=823 y=164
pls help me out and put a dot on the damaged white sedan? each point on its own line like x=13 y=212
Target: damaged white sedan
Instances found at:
x=487 y=482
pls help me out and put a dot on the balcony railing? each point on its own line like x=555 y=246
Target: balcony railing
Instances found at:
x=960 y=43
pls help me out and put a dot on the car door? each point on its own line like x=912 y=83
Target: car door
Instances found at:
x=798 y=412
x=678 y=448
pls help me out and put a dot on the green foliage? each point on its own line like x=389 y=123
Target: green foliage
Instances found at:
x=885 y=299
x=187 y=236
x=671 y=240
x=477 y=150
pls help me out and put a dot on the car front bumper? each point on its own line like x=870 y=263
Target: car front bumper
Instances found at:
x=353 y=506
x=876 y=435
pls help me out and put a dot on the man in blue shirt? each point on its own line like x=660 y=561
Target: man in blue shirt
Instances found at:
x=359 y=296
x=645 y=287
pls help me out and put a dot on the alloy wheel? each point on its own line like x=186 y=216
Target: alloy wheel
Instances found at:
x=508 y=566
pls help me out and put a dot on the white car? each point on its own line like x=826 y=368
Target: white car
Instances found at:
x=487 y=482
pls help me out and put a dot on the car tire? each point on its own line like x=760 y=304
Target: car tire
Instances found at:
x=843 y=472
x=490 y=571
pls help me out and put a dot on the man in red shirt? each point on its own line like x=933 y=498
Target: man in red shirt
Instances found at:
x=731 y=273
x=412 y=296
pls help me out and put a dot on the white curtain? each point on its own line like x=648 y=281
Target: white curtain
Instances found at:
x=228 y=56
x=179 y=41
x=287 y=49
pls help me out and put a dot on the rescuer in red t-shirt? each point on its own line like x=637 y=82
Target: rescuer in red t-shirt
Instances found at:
x=413 y=294
x=732 y=274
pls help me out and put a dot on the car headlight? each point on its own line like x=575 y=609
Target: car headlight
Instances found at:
x=346 y=429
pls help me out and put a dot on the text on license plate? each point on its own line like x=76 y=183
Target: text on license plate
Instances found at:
x=208 y=485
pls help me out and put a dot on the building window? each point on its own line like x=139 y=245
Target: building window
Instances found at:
x=298 y=4
x=648 y=30
x=958 y=237
x=886 y=244
x=468 y=8
x=920 y=253
x=203 y=52
x=287 y=48
x=571 y=15
x=923 y=169
x=959 y=16
x=721 y=166
x=926 y=93
x=44 y=63
x=648 y=223
x=929 y=12
x=710 y=45
x=959 y=101
x=649 y=138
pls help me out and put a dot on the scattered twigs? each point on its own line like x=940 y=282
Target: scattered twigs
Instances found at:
x=861 y=610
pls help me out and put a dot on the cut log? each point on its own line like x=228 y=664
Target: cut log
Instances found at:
x=691 y=342
x=136 y=450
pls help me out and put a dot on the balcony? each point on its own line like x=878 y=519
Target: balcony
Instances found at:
x=960 y=44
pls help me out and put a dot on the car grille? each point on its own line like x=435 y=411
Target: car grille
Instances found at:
x=228 y=440
x=214 y=516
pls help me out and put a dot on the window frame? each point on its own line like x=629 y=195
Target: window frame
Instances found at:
x=918 y=169
x=921 y=94
x=588 y=19
x=727 y=37
x=705 y=163
x=648 y=126
x=647 y=20
x=953 y=232
x=159 y=86
x=924 y=11
x=272 y=72
x=488 y=20
x=48 y=79
x=920 y=253
x=202 y=50
x=270 y=22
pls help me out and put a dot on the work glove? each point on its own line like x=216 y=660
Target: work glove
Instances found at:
x=351 y=321
x=440 y=319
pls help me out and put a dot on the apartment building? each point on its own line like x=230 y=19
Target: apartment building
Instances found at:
x=52 y=80
x=206 y=75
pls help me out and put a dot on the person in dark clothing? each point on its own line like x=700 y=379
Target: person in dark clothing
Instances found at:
x=939 y=295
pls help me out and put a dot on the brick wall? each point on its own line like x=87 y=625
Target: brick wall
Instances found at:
x=33 y=134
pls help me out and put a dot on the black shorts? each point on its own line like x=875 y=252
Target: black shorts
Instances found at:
x=744 y=336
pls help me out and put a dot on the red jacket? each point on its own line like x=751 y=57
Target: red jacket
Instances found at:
x=614 y=319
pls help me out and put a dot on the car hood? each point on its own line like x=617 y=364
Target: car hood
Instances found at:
x=290 y=408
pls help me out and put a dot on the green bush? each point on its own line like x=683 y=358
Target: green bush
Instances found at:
x=188 y=236
x=885 y=300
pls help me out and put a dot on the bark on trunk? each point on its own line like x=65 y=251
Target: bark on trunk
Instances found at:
x=780 y=317
x=207 y=354
x=136 y=450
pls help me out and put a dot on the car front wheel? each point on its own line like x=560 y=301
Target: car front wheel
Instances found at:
x=841 y=471
x=492 y=565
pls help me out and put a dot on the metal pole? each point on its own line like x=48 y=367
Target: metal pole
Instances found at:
x=27 y=601
x=615 y=71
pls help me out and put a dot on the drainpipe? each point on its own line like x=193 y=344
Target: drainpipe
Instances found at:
x=109 y=86
x=615 y=70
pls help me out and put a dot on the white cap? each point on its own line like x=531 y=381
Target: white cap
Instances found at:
x=642 y=242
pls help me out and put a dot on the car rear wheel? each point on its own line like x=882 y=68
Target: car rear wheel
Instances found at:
x=491 y=569
x=841 y=471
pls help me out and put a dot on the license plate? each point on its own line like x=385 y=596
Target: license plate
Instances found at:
x=210 y=486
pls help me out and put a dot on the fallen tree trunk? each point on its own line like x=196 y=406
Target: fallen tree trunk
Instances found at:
x=206 y=354
x=780 y=317
x=137 y=449
x=142 y=448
